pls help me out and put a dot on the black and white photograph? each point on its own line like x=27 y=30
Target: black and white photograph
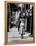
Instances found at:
x=20 y=22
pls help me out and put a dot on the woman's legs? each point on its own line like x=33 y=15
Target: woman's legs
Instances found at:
x=22 y=34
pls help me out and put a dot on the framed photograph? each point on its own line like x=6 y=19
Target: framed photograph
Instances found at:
x=19 y=22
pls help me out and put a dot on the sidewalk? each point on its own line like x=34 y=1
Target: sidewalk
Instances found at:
x=13 y=34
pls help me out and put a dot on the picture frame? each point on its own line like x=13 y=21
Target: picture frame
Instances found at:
x=6 y=25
